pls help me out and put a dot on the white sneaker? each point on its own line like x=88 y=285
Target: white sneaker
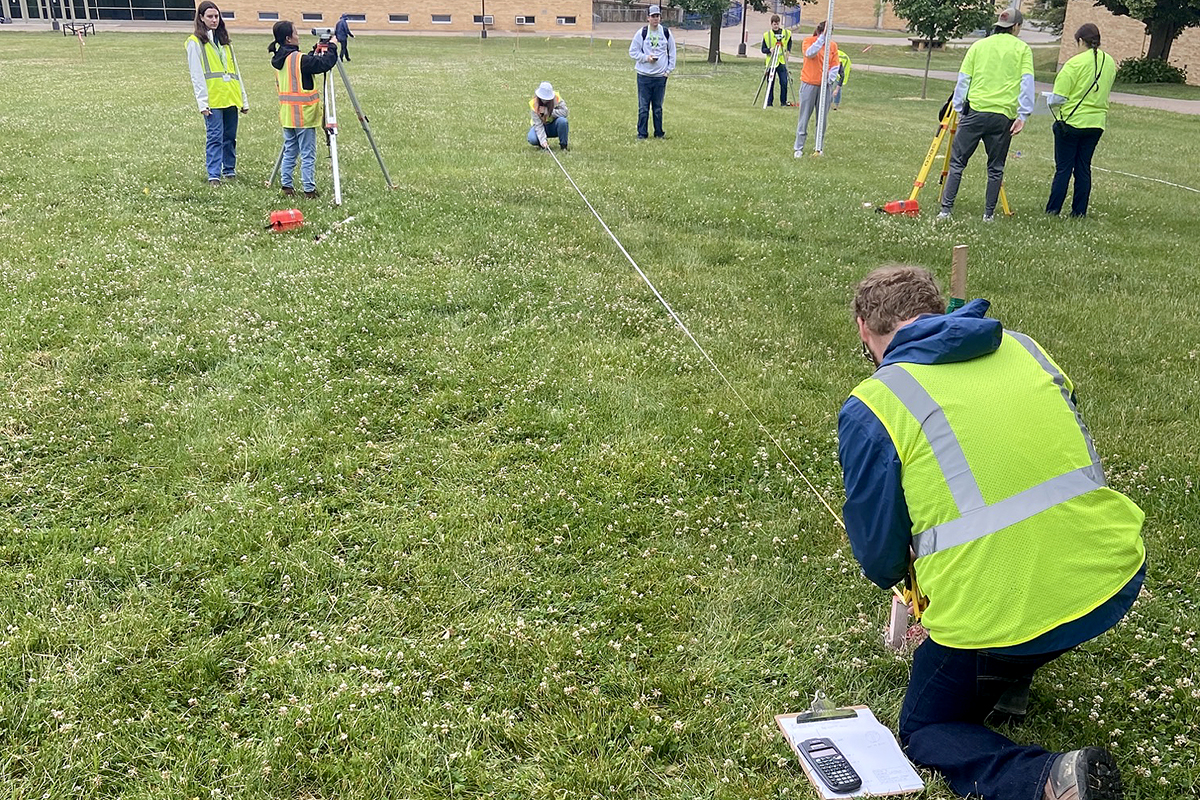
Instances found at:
x=943 y=215
x=797 y=154
x=989 y=218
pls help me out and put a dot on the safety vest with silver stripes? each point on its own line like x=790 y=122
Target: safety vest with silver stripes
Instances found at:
x=783 y=38
x=220 y=74
x=298 y=108
x=1014 y=528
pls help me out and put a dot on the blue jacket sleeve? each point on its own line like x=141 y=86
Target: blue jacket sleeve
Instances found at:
x=876 y=513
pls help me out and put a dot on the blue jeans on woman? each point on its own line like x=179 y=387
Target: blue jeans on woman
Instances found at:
x=950 y=692
x=300 y=142
x=1073 y=151
x=220 y=142
x=651 y=91
x=555 y=129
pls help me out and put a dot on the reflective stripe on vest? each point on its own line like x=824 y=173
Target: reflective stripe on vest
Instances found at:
x=224 y=88
x=770 y=39
x=297 y=108
x=976 y=518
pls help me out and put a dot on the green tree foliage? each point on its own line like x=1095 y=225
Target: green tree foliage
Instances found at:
x=939 y=20
x=1164 y=20
x=1052 y=13
x=712 y=11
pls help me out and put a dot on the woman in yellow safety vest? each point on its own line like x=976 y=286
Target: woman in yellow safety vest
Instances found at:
x=219 y=91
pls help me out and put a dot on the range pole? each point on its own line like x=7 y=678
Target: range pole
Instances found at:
x=482 y=19
x=824 y=93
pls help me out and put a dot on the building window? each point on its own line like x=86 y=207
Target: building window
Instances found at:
x=484 y=19
x=441 y=19
x=398 y=18
x=315 y=16
x=525 y=20
x=356 y=17
x=227 y=15
x=565 y=20
x=268 y=16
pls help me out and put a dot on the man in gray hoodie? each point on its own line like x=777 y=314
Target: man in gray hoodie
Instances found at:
x=653 y=52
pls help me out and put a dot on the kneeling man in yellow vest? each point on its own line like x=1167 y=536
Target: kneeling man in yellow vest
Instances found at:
x=299 y=103
x=965 y=455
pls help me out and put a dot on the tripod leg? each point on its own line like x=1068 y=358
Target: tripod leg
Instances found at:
x=1004 y=202
x=366 y=125
x=331 y=130
x=275 y=169
x=761 y=84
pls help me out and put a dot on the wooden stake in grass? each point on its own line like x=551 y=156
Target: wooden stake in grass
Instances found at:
x=958 y=279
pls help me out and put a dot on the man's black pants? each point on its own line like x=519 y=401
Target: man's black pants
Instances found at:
x=975 y=127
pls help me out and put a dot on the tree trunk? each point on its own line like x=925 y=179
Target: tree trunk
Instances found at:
x=928 y=58
x=1162 y=36
x=714 y=39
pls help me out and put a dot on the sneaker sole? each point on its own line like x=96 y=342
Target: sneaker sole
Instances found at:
x=1103 y=777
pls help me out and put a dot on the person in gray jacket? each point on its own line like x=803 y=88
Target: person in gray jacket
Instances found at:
x=653 y=51
x=549 y=114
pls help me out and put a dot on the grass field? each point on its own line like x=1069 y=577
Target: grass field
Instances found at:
x=445 y=505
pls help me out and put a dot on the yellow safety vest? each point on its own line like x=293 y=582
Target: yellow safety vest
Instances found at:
x=1014 y=528
x=784 y=38
x=533 y=103
x=298 y=107
x=220 y=74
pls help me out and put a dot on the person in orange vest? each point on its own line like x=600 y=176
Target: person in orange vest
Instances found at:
x=300 y=111
x=812 y=75
x=219 y=90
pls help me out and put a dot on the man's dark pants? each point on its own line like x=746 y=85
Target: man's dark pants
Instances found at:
x=973 y=128
x=651 y=91
x=950 y=692
x=1073 y=150
x=781 y=78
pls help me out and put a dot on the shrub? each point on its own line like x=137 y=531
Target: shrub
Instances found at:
x=1149 y=70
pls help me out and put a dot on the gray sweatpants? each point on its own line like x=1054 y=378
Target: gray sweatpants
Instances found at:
x=991 y=129
x=810 y=95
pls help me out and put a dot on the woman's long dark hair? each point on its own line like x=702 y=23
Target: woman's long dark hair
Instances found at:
x=1089 y=33
x=220 y=35
x=281 y=31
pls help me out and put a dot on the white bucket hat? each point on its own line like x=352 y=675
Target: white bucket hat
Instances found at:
x=544 y=91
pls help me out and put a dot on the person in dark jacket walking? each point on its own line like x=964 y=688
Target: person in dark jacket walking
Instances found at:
x=342 y=33
x=299 y=103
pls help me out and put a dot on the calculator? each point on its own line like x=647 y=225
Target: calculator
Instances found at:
x=828 y=762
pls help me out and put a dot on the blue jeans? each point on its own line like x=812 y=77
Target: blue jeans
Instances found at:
x=950 y=692
x=555 y=129
x=1073 y=150
x=301 y=142
x=651 y=91
x=781 y=78
x=220 y=142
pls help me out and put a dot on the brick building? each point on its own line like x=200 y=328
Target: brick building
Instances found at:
x=1125 y=37
x=412 y=16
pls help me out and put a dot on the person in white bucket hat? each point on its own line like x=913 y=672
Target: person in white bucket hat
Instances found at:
x=549 y=114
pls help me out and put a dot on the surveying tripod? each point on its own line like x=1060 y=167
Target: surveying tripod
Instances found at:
x=768 y=78
x=947 y=127
x=331 y=128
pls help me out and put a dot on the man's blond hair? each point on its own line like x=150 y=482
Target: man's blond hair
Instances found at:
x=895 y=293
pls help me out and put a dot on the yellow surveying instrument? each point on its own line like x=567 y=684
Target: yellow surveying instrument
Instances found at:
x=947 y=126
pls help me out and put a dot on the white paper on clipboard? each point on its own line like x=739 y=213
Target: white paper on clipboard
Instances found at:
x=869 y=747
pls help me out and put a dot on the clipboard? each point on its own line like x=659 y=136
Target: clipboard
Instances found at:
x=870 y=748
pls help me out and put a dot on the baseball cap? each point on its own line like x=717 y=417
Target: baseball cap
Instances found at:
x=1009 y=17
x=544 y=91
x=650 y=12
